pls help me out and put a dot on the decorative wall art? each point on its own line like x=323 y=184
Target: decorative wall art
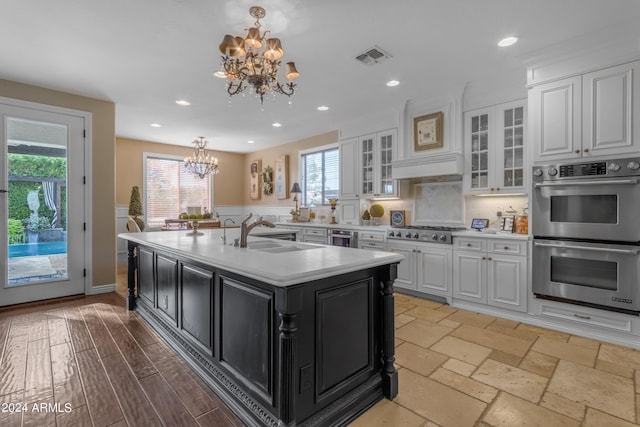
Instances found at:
x=428 y=131
x=267 y=181
x=282 y=177
x=254 y=182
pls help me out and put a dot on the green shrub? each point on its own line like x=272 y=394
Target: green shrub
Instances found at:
x=15 y=231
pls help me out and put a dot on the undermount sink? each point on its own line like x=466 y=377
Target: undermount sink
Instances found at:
x=275 y=247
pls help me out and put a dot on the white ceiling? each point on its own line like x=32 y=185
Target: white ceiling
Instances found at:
x=145 y=54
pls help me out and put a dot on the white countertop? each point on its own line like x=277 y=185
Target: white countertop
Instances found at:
x=283 y=268
x=486 y=235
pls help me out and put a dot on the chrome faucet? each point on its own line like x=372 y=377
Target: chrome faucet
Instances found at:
x=245 y=229
x=224 y=230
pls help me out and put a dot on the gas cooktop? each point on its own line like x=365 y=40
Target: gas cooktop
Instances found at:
x=423 y=233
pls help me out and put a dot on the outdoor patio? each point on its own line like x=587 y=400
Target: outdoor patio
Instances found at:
x=36 y=268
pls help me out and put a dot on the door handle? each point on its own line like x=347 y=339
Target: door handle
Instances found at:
x=588 y=248
x=4 y=191
x=587 y=183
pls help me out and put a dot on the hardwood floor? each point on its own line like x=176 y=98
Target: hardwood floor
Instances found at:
x=87 y=361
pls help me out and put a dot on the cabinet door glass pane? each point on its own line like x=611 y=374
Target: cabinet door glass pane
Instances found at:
x=508 y=117
x=386 y=156
x=479 y=150
x=513 y=132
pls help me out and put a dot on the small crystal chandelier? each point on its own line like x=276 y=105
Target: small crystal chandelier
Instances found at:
x=255 y=61
x=201 y=163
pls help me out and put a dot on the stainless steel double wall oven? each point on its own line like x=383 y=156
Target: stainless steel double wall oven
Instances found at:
x=586 y=229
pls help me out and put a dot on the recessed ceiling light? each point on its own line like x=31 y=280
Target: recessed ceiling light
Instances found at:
x=392 y=83
x=183 y=102
x=250 y=142
x=323 y=108
x=276 y=125
x=155 y=125
x=507 y=41
x=220 y=74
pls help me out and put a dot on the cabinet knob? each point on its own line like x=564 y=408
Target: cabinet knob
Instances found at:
x=586 y=150
x=497 y=189
x=484 y=258
x=577 y=151
x=489 y=258
x=469 y=244
x=506 y=248
x=493 y=189
x=419 y=251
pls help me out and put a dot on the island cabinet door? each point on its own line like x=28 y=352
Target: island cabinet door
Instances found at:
x=167 y=287
x=196 y=306
x=146 y=276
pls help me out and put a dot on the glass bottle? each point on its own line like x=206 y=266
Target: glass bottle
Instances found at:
x=522 y=222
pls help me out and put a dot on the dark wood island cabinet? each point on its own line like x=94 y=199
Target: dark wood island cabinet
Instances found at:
x=315 y=351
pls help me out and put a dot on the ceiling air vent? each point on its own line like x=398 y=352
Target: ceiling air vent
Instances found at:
x=372 y=56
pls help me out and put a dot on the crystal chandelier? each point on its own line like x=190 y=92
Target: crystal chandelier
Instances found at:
x=201 y=163
x=254 y=61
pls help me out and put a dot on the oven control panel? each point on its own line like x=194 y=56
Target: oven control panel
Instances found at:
x=595 y=169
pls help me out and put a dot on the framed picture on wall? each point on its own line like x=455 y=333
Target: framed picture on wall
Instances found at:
x=282 y=177
x=428 y=131
x=254 y=181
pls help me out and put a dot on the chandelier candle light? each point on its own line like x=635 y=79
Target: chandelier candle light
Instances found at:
x=201 y=163
x=255 y=61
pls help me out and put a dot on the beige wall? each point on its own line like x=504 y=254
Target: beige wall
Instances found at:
x=231 y=185
x=102 y=170
x=129 y=169
x=268 y=158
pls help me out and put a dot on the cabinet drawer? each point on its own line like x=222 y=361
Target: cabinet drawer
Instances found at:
x=469 y=244
x=507 y=247
x=603 y=320
x=322 y=232
x=370 y=244
x=375 y=236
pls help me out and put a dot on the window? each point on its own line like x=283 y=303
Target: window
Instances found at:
x=169 y=188
x=320 y=173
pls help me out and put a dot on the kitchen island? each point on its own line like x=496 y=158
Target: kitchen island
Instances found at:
x=286 y=333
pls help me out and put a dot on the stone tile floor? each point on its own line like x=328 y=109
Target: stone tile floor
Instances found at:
x=459 y=368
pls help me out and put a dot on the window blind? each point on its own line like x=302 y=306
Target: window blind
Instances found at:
x=320 y=176
x=170 y=189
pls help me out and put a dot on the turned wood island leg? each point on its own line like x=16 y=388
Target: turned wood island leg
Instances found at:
x=131 y=275
x=389 y=372
x=288 y=303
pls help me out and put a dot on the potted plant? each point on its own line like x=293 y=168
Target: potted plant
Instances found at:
x=33 y=225
x=135 y=207
x=366 y=217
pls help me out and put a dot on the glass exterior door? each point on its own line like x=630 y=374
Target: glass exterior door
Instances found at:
x=43 y=205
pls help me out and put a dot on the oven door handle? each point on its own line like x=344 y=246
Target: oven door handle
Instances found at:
x=588 y=248
x=587 y=183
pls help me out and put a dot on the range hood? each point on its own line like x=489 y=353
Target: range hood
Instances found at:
x=420 y=167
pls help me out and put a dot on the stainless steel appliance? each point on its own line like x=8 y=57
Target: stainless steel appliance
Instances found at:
x=345 y=238
x=595 y=200
x=586 y=229
x=423 y=233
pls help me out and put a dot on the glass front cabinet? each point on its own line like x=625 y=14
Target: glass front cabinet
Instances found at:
x=495 y=146
x=376 y=154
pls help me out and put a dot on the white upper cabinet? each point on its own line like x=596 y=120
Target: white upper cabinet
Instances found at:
x=495 y=148
x=377 y=151
x=349 y=169
x=587 y=115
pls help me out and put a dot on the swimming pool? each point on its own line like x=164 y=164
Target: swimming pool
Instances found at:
x=42 y=248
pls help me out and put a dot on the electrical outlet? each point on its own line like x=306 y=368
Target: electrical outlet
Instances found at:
x=499 y=214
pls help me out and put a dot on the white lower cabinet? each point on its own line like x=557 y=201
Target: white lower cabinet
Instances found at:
x=315 y=235
x=371 y=240
x=492 y=272
x=426 y=267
